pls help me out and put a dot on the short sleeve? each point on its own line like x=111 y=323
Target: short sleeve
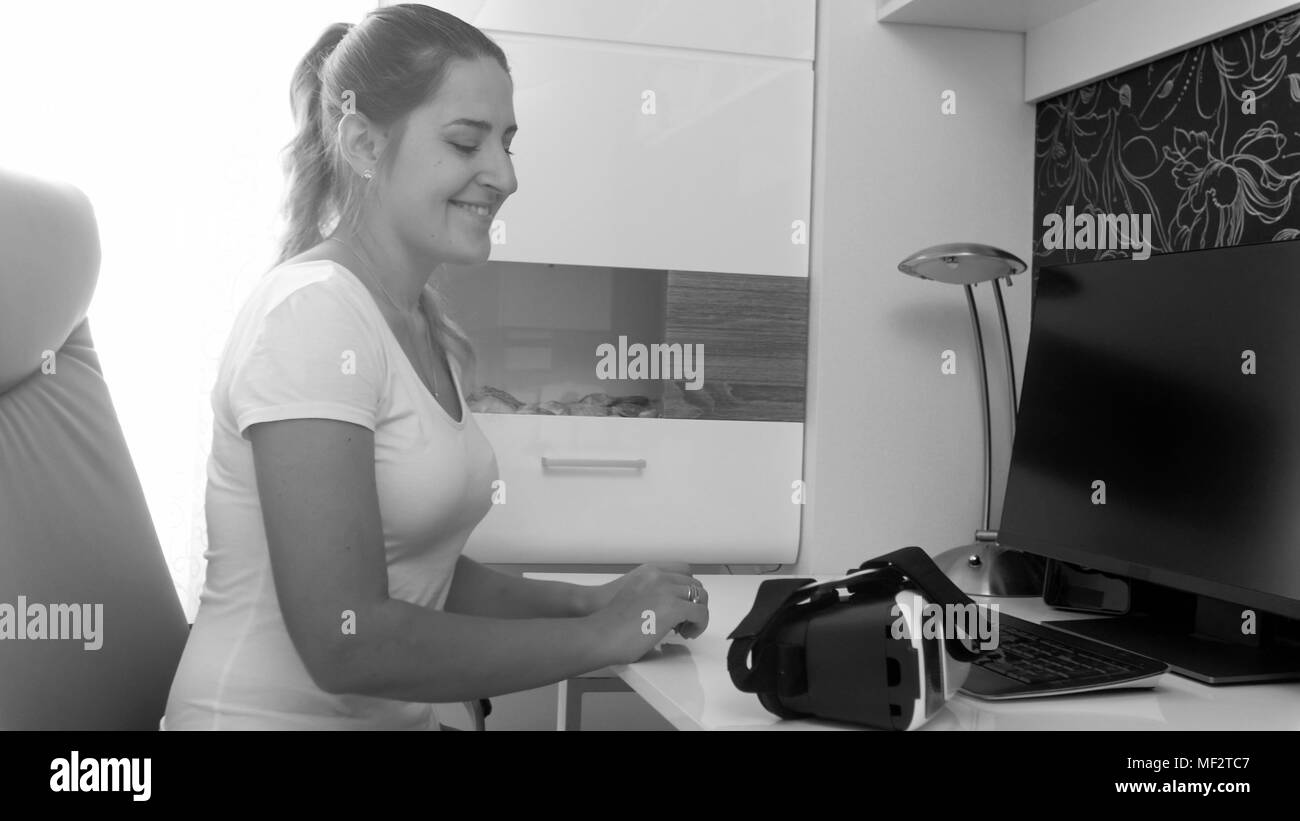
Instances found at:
x=314 y=356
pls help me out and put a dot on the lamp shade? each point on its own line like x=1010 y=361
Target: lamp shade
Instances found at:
x=962 y=263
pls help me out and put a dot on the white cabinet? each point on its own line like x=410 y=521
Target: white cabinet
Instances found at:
x=607 y=467
x=773 y=28
x=716 y=178
x=658 y=134
x=664 y=159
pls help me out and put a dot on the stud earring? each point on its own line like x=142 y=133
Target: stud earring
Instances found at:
x=367 y=173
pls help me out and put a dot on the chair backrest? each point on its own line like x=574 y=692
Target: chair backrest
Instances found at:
x=78 y=550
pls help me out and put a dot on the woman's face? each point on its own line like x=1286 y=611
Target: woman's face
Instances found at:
x=454 y=150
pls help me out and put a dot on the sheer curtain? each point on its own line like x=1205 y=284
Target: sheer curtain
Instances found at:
x=171 y=117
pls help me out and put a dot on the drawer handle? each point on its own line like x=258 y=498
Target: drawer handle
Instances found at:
x=553 y=462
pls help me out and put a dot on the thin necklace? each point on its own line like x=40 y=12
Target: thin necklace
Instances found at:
x=404 y=314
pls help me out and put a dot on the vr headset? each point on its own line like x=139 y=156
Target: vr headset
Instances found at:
x=848 y=649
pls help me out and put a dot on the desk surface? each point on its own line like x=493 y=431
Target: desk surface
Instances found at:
x=687 y=683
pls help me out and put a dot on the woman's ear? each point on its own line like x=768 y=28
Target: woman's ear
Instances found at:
x=362 y=142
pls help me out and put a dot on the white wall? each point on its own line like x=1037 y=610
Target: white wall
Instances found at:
x=893 y=448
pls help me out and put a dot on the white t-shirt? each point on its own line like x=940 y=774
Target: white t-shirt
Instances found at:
x=311 y=342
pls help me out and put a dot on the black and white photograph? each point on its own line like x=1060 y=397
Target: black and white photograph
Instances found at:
x=596 y=367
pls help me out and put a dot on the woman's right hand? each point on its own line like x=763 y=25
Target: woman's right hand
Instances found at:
x=651 y=602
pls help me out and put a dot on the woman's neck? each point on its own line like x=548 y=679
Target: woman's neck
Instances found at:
x=402 y=277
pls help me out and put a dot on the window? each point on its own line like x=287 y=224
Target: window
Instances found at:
x=171 y=117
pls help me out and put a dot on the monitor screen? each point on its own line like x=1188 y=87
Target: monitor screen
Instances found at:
x=1158 y=435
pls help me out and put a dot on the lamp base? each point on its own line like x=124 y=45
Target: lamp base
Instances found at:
x=985 y=568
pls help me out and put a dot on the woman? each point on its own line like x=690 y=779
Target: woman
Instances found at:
x=346 y=472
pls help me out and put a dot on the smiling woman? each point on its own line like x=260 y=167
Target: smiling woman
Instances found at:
x=346 y=472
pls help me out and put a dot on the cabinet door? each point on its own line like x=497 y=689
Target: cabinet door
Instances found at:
x=774 y=28
x=583 y=490
x=643 y=157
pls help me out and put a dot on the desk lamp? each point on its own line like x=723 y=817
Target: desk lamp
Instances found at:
x=984 y=567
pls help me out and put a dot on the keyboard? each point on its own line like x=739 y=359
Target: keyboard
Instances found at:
x=1032 y=660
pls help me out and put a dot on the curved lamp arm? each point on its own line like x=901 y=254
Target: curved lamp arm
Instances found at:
x=984 y=397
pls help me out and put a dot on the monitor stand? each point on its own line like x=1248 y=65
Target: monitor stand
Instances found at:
x=1202 y=638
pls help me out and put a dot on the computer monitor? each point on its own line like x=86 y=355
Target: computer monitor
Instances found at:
x=1158 y=439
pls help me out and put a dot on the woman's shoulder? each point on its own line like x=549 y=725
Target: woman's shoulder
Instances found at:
x=301 y=305
x=301 y=317
x=297 y=272
x=320 y=282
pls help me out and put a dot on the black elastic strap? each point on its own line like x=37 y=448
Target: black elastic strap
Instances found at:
x=917 y=565
x=773 y=596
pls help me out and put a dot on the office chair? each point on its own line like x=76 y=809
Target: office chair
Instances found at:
x=74 y=527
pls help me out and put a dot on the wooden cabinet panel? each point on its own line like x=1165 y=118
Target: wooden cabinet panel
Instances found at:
x=754 y=334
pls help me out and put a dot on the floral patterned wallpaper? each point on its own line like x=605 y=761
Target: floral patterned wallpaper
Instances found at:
x=1207 y=141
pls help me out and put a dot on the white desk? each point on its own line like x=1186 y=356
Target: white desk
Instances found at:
x=687 y=683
